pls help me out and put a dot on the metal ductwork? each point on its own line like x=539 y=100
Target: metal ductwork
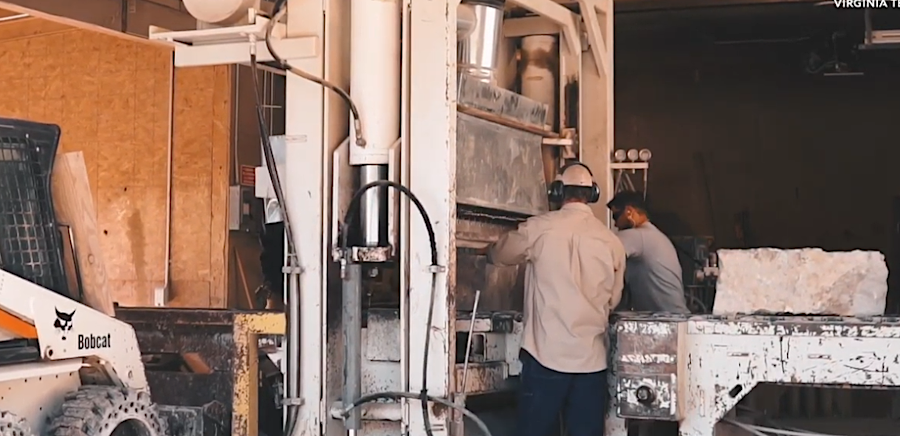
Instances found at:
x=479 y=31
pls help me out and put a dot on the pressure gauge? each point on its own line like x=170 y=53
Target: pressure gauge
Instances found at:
x=644 y=155
x=619 y=155
x=645 y=395
x=633 y=155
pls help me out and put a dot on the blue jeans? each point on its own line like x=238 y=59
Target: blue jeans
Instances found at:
x=545 y=393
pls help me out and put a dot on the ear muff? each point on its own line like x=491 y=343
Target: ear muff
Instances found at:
x=556 y=190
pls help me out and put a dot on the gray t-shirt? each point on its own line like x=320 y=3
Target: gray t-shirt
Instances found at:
x=652 y=271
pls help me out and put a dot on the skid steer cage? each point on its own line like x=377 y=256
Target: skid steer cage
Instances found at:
x=30 y=243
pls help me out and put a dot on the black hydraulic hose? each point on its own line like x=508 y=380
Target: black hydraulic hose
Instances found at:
x=292 y=417
x=345 y=235
x=270 y=160
x=422 y=396
x=354 y=204
x=400 y=395
x=277 y=13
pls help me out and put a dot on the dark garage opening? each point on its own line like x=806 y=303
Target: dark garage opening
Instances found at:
x=758 y=143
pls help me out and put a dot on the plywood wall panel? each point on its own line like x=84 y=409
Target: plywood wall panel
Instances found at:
x=28 y=28
x=114 y=206
x=80 y=119
x=191 y=237
x=110 y=96
x=221 y=134
x=190 y=293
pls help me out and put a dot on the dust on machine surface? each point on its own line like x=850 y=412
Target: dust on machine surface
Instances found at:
x=385 y=190
x=403 y=329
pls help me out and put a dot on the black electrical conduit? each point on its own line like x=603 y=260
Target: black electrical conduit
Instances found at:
x=360 y=141
x=293 y=413
x=277 y=13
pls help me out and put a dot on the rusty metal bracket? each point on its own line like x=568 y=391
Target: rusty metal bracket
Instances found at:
x=292 y=402
x=221 y=348
x=247 y=327
x=292 y=270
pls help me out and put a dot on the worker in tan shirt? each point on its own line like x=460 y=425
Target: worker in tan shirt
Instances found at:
x=574 y=278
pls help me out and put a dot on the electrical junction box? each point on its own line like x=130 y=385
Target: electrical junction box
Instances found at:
x=240 y=208
x=264 y=188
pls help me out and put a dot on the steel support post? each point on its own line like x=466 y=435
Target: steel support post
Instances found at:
x=432 y=171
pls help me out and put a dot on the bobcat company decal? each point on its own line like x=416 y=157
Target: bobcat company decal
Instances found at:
x=63 y=323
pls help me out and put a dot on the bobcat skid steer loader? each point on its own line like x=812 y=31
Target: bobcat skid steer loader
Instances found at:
x=65 y=368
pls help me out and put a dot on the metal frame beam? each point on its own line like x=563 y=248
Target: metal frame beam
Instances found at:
x=562 y=16
x=230 y=45
x=247 y=328
x=596 y=103
x=526 y=26
x=597 y=39
x=431 y=120
x=311 y=120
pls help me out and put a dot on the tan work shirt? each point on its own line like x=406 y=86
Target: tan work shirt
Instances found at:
x=574 y=278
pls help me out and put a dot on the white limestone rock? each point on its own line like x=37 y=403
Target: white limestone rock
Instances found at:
x=801 y=281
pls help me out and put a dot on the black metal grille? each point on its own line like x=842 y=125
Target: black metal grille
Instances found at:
x=30 y=243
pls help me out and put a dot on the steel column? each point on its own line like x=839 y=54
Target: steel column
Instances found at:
x=432 y=171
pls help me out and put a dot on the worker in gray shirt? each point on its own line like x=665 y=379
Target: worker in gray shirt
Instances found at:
x=652 y=270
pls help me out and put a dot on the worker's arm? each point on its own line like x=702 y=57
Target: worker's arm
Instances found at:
x=513 y=248
x=618 y=286
x=633 y=242
x=618 y=258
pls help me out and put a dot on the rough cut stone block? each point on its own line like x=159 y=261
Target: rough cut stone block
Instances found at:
x=801 y=281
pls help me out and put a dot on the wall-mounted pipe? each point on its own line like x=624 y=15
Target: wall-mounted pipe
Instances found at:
x=539 y=65
x=465 y=21
x=477 y=47
x=161 y=295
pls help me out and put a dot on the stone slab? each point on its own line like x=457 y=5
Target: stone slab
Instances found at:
x=801 y=281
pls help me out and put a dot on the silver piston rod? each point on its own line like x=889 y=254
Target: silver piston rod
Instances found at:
x=373 y=208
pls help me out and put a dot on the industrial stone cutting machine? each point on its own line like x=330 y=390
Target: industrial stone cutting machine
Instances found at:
x=446 y=151
x=433 y=134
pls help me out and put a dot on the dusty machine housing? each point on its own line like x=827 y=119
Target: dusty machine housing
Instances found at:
x=438 y=117
x=695 y=369
x=435 y=116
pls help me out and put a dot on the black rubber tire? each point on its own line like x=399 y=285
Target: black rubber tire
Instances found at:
x=13 y=425
x=107 y=411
